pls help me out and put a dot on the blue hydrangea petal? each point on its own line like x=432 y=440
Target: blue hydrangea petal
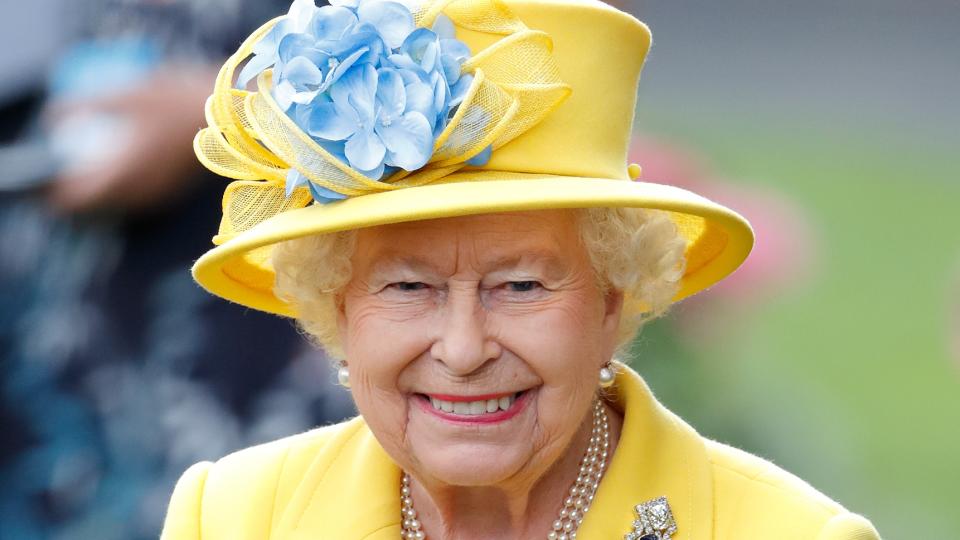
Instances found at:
x=332 y=23
x=301 y=114
x=294 y=180
x=337 y=148
x=364 y=83
x=417 y=44
x=391 y=94
x=411 y=76
x=409 y=141
x=300 y=14
x=362 y=35
x=293 y=45
x=305 y=78
x=365 y=150
x=264 y=53
x=393 y=20
x=430 y=57
x=283 y=94
x=406 y=64
x=253 y=67
x=450 y=67
x=323 y=195
x=332 y=121
x=482 y=158
x=440 y=96
x=420 y=99
x=357 y=87
x=459 y=90
x=268 y=44
x=341 y=68
x=455 y=48
x=375 y=173
x=443 y=27
x=302 y=73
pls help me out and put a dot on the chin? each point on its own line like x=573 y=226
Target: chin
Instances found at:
x=471 y=465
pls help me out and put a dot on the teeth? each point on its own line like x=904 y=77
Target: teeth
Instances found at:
x=472 y=408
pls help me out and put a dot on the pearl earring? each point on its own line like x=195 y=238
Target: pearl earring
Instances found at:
x=607 y=375
x=343 y=376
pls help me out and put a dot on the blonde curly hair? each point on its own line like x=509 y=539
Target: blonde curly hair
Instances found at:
x=634 y=250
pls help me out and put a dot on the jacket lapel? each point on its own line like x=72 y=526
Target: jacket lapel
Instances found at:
x=658 y=455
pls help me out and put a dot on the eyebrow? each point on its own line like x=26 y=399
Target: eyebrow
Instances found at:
x=390 y=261
x=550 y=262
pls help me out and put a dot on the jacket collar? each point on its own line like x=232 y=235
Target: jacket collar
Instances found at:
x=352 y=491
x=658 y=455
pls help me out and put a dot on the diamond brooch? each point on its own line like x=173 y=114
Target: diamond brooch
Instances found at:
x=654 y=521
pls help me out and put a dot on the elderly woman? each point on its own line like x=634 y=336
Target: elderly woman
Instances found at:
x=439 y=194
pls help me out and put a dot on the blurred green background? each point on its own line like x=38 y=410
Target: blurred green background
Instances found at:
x=846 y=373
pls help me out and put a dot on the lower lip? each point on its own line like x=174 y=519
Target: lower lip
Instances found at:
x=486 y=418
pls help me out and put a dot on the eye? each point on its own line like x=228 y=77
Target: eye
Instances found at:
x=408 y=286
x=523 y=286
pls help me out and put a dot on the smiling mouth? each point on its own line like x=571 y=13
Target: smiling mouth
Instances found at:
x=475 y=407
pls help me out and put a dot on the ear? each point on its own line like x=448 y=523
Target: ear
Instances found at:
x=340 y=307
x=613 y=310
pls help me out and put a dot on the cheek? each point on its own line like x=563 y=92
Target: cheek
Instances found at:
x=379 y=344
x=562 y=344
x=559 y=336
x=389 y=337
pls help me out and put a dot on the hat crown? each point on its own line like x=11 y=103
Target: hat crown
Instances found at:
x=553 y=94
x=599 y=51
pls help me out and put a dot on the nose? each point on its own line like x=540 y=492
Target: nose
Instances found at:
x=463 y=342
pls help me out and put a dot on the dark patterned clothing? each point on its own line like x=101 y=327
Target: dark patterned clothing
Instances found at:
x=115 y=374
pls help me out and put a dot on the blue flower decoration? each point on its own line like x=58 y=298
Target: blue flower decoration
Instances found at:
x=364 y=83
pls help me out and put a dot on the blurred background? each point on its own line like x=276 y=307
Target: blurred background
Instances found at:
x=834 y=352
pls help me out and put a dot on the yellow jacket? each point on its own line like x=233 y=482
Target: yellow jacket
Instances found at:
x=337 y=483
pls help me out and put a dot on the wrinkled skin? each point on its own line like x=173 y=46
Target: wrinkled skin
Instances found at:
x=477 y=305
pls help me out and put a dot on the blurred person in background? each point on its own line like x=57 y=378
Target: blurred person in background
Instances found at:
x=115 y=370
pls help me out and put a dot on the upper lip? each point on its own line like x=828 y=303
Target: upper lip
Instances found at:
x=475 y=397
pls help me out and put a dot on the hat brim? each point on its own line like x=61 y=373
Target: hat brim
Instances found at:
x=240 y=270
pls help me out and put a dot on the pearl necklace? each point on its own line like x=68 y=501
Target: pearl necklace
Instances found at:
x=576 y=504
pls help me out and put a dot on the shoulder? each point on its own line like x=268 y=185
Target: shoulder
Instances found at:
x=236 y=496
x=754 y=498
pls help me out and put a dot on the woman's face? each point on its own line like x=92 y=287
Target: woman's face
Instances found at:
x=474 y=343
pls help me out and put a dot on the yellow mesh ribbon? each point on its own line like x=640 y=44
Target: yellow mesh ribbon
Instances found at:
x=251 y=140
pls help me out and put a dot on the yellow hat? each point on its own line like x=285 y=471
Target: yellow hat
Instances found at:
x=558 y=78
